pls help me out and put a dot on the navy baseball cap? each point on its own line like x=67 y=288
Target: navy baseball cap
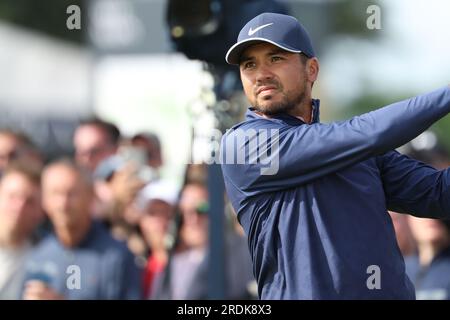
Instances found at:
x=281 y=30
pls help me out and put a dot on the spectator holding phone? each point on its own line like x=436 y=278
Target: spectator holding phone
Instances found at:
x=80 y=260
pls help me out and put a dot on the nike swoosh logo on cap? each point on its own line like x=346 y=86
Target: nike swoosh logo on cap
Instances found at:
x=252 y=32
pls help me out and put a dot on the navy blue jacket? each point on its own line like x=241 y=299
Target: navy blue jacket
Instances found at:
x=319 y=224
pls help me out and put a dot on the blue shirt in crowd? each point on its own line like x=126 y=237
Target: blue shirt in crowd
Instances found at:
x=100 y=267
x=432 y=282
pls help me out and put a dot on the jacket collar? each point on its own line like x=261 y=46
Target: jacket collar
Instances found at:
x=287 y=118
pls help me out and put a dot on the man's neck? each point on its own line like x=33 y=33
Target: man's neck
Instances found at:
x=74 y=236
x=303 y=111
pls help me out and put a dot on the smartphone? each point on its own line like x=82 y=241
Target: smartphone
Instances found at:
x=138 y=157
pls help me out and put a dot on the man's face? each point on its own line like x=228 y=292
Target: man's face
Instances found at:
x=20 y=206
x=274 y=80
x=8 y=149
x=91 y=146
x=427 y=230
x=156 y=221
x=66 y=197
x=195 y=224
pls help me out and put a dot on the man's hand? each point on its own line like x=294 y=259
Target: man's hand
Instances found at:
x=38 y=290
x=125 y=185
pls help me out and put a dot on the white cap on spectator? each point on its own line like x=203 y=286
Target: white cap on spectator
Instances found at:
x=160 y=190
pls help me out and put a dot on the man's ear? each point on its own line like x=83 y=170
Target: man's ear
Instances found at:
x=312 y=69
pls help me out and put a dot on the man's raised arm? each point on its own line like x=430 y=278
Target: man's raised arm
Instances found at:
x=303 y=153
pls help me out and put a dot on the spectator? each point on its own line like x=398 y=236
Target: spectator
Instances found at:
x=186 y=276
x=18 y=146
x=151 y=144
x=430 y=266
x=96 y=144
x=429 y=269
x=157 y=202
x=405 y=239
x=119 y=179
x=9 y=144
x=106 y=267
x=29 y=152
x=95 y=140
x=20 y=214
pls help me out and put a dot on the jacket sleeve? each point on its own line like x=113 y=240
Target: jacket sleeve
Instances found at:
x=413 y=187
x=300 y=154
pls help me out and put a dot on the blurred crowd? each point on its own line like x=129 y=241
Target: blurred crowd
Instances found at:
x=104 y=224
x=425 y=243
